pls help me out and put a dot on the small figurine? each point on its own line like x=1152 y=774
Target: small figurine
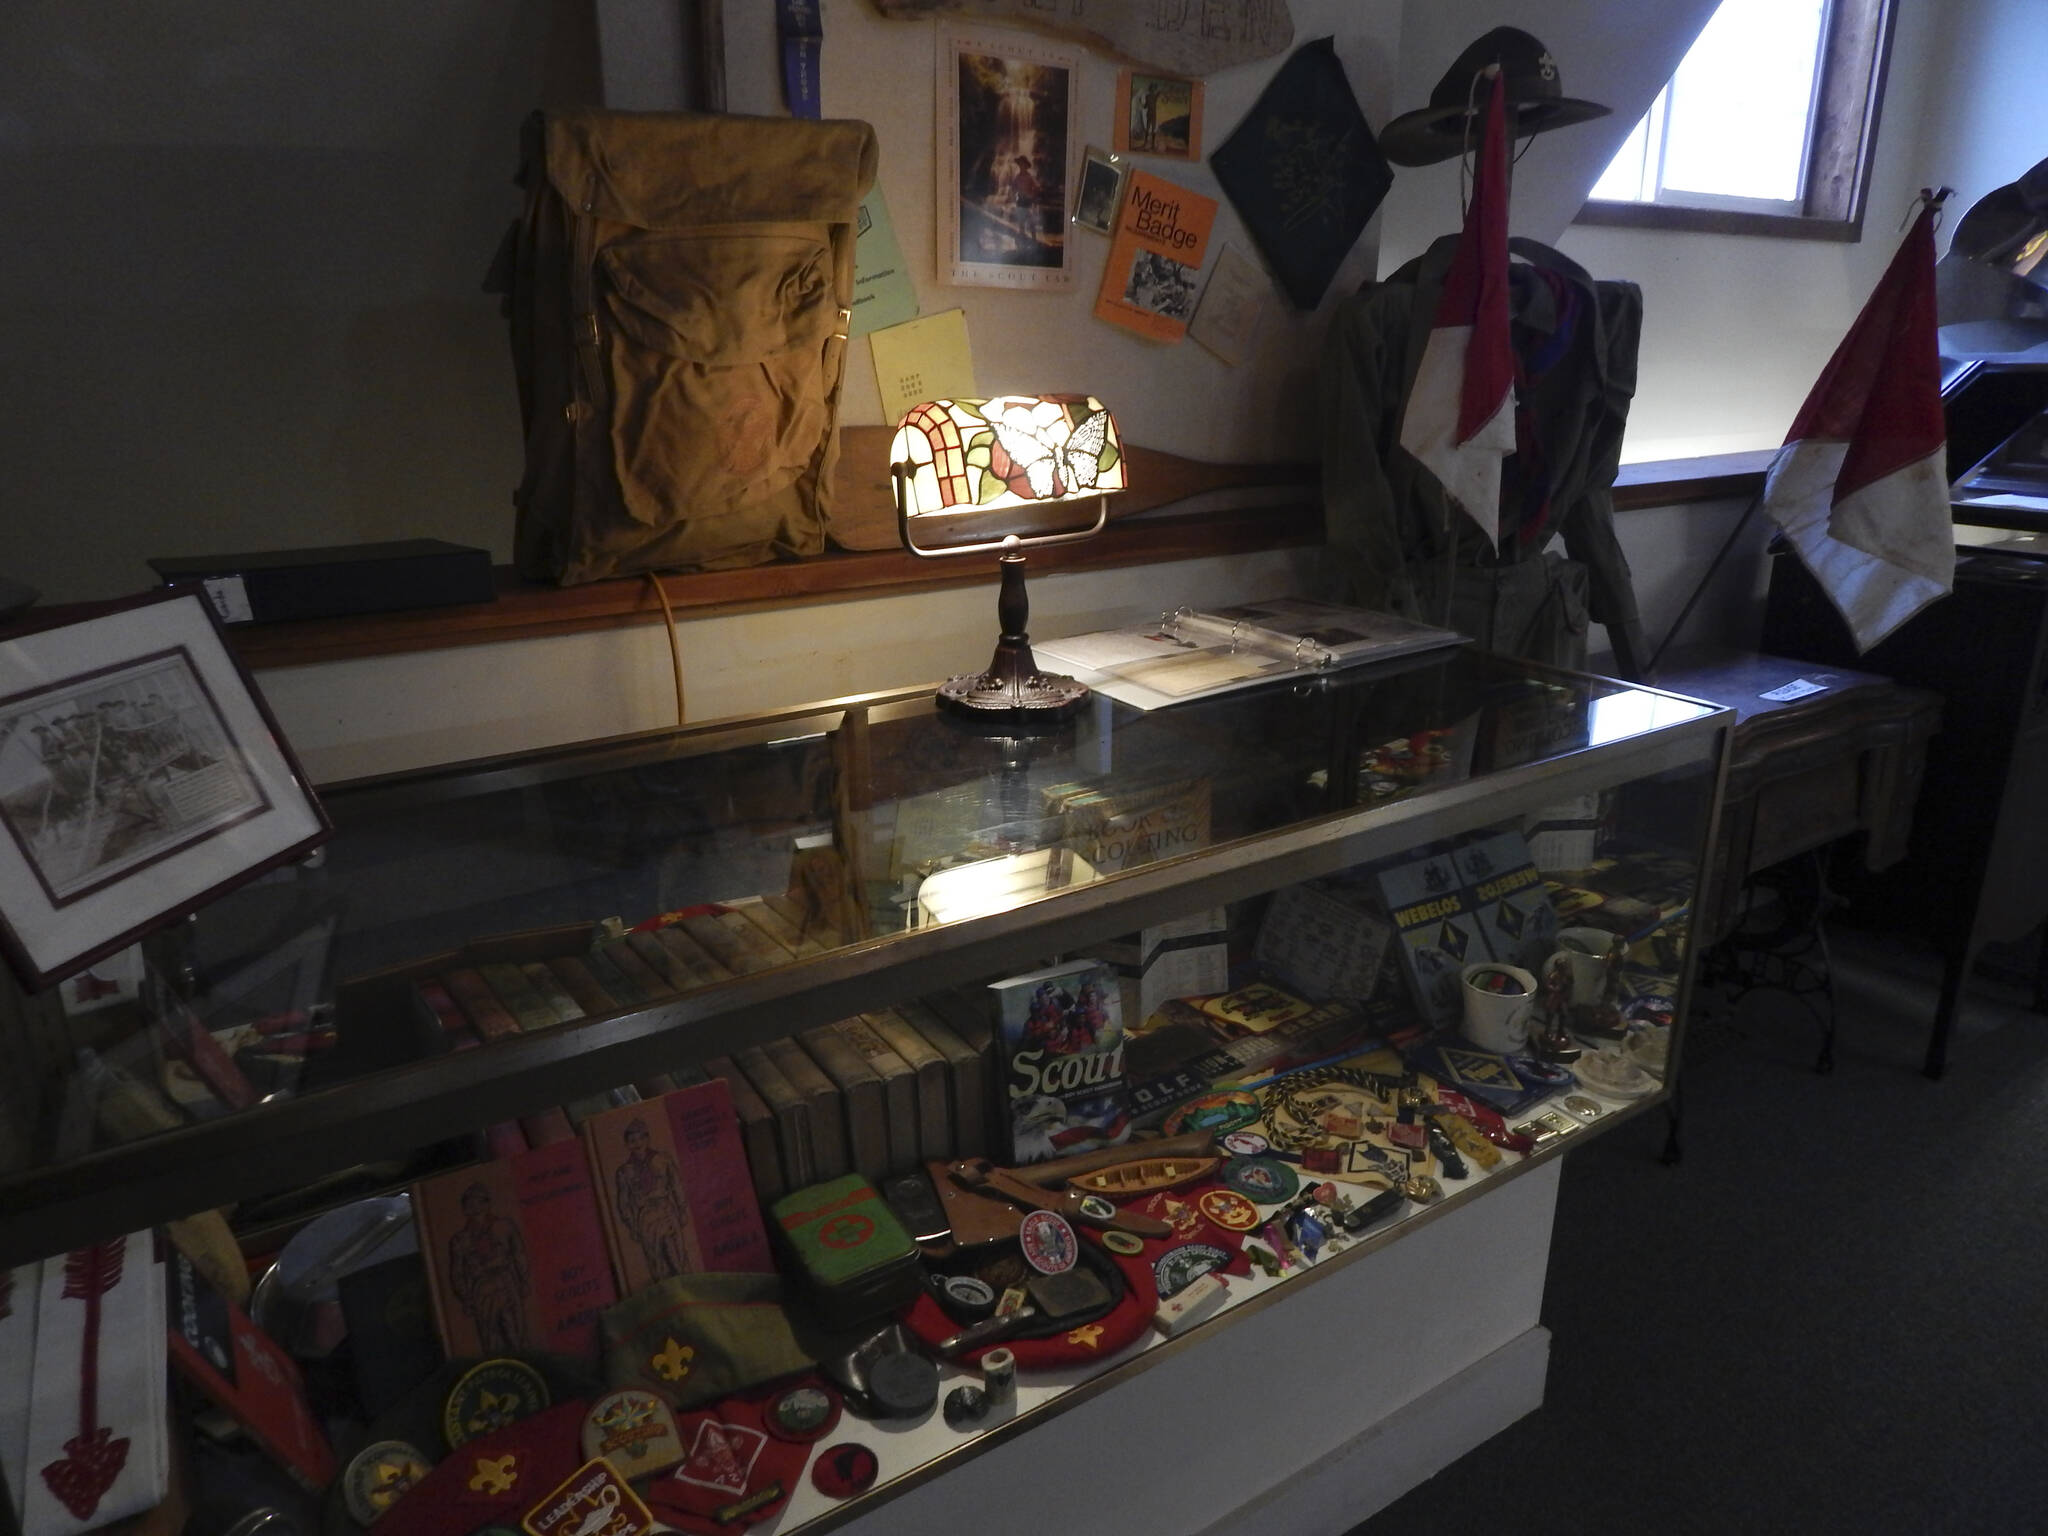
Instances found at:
x=1550 y=1034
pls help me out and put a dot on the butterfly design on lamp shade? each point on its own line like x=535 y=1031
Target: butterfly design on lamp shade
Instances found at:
x=968 y=454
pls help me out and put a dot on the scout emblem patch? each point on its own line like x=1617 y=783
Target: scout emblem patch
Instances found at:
x=633 y=1430
x=722 y=1457
x=489 y=1397
x=379 y=1475
x=1049 y=1244
x=1229 y=1210
x=1180 y=1267
x=805 y=1412
x=1261 y=1179
x=595 y=1501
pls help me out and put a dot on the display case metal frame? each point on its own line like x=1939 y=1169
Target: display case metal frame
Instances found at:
x=273 y=1145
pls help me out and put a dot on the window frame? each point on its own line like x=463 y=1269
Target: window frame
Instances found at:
x=1856 y=49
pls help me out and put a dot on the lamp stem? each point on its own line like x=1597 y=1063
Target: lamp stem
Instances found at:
x=1013 y=608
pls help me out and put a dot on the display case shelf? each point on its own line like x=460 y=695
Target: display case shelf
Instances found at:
x=1277 y=756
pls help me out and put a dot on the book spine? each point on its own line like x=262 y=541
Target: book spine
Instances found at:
x=757 y=1128
x=721 y=944
x=675 y=977
x=779 y=928
x=972 y=1021
x=551 y=992
x=899 y=1090
x=807 y=924
x=965 y=1085
x=934 y=1106
x=487 y=1016
x=652 y=983
x=519 y=998
x=829 y=1158
x=792 y=1115
x=576 y=978
x=690 y=959
x=861 y=1099
x=763 y=952
x=606 y=973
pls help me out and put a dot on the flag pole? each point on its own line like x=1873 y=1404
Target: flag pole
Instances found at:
x=1720 y=559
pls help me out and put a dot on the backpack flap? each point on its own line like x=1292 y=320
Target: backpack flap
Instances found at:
x=711 y=266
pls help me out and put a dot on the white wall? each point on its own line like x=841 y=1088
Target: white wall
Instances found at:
x=1986 y=113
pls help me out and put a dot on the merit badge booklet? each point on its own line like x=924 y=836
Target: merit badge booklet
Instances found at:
x=672 y=1182
x=1062 y=1042
x=515 y=1254
x=1439 y=932
x=1149 y=281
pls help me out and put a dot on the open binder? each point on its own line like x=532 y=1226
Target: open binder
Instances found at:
x=1191 y=654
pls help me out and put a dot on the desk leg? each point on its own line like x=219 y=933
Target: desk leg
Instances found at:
x=1955 y=970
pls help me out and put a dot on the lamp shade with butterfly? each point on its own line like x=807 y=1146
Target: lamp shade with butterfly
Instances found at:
x=1005 y=474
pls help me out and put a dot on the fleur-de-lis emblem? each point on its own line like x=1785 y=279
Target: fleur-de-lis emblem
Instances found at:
x=673 y=1363
x=1088 y=1336
x=1546 y=66
x=495 y=1476
x=494 y=1410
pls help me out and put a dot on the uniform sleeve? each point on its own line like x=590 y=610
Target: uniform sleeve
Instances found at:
x=1588 y=530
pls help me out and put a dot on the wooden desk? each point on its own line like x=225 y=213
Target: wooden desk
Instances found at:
x=1804 y=772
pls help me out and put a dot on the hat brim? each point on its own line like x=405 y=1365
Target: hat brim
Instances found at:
x=1431 y=135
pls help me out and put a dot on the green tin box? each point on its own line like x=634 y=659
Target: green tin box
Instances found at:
x=857 y=1261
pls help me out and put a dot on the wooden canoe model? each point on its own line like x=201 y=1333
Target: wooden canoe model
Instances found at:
x=1146 y=1176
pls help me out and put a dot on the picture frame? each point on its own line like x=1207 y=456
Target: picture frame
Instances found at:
x=1099 y=192
x=1007 y=159
x=141 y=776
x=1158 y=115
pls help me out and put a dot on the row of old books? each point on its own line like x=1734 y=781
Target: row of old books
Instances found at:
x=875 y=1095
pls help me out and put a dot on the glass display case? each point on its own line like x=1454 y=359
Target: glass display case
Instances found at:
x=1319 y=903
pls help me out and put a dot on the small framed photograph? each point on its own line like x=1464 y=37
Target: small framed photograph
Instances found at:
x=1102 y=191
x=141 y=775
x=1007 y=161
x=1158 y=115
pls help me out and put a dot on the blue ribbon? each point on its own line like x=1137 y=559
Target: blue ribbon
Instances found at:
x=802 y=30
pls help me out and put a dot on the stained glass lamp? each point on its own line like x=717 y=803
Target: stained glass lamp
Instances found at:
x=966 y=473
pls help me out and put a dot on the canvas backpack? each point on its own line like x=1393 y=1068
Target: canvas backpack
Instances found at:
x=677 y=289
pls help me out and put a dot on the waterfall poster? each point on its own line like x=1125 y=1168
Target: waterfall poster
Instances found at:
x=1007 y=160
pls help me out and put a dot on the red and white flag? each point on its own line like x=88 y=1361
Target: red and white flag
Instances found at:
x=1460 y=417
x=1861 y=485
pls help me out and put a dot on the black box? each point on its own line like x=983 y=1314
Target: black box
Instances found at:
x=328 y=583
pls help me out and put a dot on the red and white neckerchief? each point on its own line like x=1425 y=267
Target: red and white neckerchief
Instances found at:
x=1460 y=417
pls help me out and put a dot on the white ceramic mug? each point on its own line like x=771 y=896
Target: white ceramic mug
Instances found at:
x=1584 y=952
x=1497 y=1021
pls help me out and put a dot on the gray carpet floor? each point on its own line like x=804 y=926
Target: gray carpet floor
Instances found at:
x=1831 y=1315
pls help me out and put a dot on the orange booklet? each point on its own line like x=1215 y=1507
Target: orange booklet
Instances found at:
x=1149 y=282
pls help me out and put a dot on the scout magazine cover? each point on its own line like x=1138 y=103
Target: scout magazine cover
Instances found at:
x=1062 y=1038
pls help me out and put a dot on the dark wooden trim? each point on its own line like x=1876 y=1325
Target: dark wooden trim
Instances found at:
x=1675 y=482
x=1856 y=59
x=1715 y=221
x=525 y=610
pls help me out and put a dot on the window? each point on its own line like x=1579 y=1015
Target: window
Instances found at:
x=1766 y=128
